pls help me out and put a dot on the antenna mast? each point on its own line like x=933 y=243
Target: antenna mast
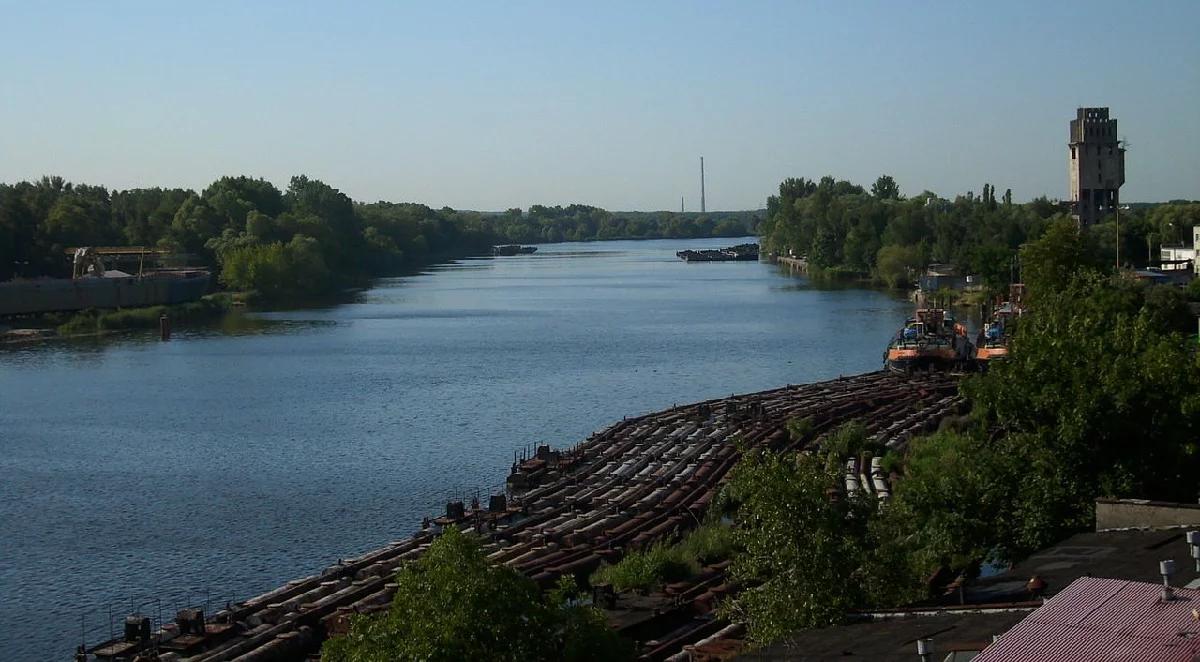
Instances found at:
x=702 y=210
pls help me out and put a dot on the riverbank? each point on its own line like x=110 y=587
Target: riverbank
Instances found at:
x=94 y=323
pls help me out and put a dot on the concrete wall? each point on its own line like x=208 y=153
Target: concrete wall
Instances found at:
x=1140 y=513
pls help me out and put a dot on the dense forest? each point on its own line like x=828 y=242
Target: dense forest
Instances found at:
x=309 y=239
x=842 y=227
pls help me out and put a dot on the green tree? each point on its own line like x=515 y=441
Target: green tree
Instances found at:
x=1052 y=261
x=452 y=604
x=898 y=265
x=885 y=188
x=1100 y=397
x=802 y=550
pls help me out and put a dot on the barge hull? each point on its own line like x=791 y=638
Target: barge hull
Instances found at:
x=52 y=295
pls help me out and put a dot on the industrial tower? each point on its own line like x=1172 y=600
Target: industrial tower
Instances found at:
x=702 y=210
x=1097 y=165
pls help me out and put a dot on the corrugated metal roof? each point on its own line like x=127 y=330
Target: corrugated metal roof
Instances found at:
x=1097 y=619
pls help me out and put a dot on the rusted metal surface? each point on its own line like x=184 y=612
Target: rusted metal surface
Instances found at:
x=636 y=482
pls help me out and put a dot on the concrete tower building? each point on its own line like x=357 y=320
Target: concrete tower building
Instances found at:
x=1097 y=165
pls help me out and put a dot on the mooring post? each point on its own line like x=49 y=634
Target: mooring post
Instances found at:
x=164 y=327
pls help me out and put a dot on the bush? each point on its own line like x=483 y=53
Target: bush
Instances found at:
x=645 y=570
x=1193 y=290
x=277 y=270
x=94 y=321
x=648 y=569
x=799 y=428
x=848 y=441
x=452 y=604
x=897 y=265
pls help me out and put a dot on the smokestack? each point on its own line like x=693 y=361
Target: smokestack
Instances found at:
x=681 y=204
x=702 y=209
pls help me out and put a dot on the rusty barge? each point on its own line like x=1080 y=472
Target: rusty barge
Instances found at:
x=564 y=512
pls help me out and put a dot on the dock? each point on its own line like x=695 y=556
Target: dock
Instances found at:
x=566 y=511
x=793 y=263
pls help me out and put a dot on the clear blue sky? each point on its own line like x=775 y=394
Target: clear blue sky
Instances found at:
x=496 y=104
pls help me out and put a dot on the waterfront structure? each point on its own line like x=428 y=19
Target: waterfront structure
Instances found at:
x=93 y=285
x=1096 y=164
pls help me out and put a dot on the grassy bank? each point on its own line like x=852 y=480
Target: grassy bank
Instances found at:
x=98 y=321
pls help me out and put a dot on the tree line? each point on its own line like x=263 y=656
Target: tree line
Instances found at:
x=840 y=227
x=309 y=239
x=586 y=223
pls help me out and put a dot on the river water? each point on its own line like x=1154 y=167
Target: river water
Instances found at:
x=138 y=475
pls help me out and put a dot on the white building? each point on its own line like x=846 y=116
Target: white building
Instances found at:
x=1173 y=257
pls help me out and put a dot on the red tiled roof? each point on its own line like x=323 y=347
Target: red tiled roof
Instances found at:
x=1097 y=619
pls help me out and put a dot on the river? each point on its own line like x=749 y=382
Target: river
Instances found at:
x=145 y=475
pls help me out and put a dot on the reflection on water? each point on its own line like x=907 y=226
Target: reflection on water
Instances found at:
x=242 y=455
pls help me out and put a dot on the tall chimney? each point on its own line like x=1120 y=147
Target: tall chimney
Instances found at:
x=702 y=209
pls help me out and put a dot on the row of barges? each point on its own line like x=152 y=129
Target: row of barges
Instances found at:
x=932 y=340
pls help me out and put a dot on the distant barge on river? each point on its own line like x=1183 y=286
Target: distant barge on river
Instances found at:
x=92 y=285
x=513 y=249
x=741 y=252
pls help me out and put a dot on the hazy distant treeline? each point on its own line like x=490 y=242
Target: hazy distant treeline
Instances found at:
x=841 y=226
x=585 y=223
x=308 y=239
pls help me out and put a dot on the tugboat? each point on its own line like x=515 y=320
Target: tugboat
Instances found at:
x=992 y=342
x=932 y=340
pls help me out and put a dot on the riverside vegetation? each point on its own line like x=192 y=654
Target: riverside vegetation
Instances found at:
x=846 y=230
x=306 y=241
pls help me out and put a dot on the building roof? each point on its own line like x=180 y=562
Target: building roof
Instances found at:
x=893 y=638
x=1131 y=554
x=1127 y=559
x=1105 y=619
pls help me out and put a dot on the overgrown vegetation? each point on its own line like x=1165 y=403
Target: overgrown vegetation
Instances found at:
x=806 y=556
x=453 y=604
x=95 y=321
x=663 y=563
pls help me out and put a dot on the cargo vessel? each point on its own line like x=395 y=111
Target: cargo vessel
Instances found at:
x=931 y=340
x=92 y=285
x=737 y=253
x=513 y=249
